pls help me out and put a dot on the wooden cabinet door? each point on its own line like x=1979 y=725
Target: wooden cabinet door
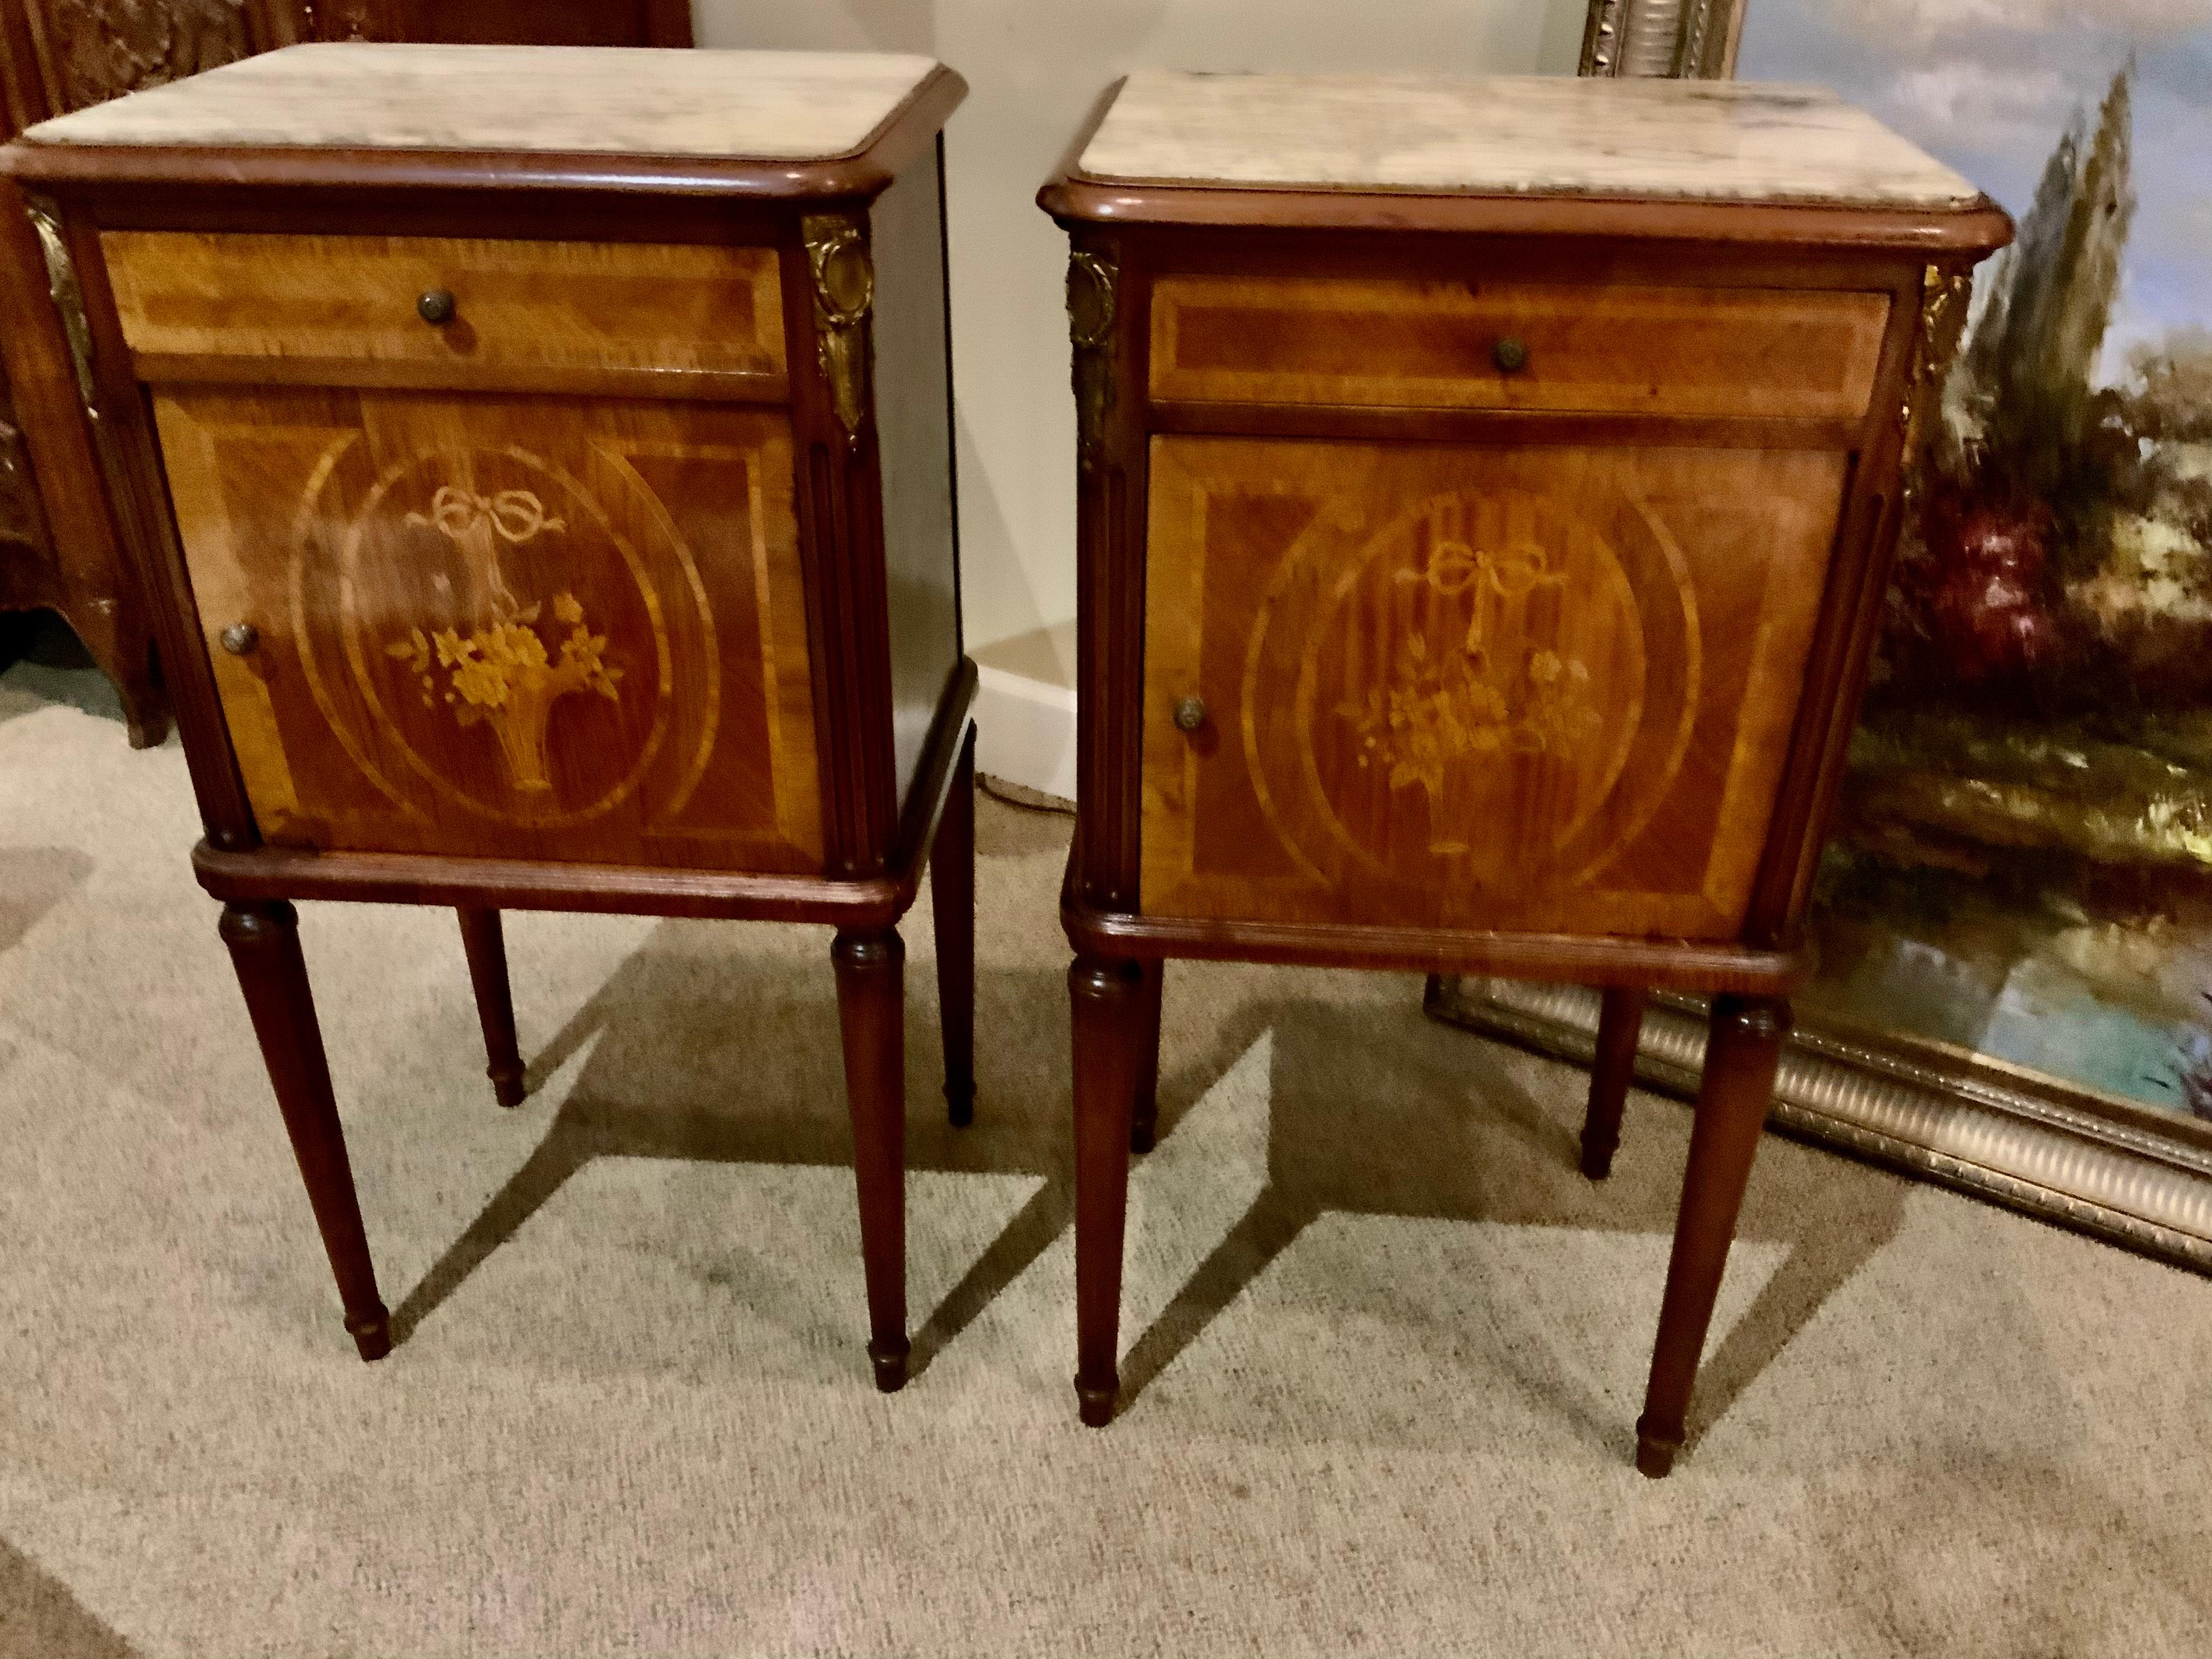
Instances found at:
x=504 y=627
x=1538 y=688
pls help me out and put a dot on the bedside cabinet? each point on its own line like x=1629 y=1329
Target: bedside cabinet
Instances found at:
x=1486 y=495
x=542 y=461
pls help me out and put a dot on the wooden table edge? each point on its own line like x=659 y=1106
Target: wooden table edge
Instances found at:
x=870 y=903
x=1936 y=231
x=1696 y=965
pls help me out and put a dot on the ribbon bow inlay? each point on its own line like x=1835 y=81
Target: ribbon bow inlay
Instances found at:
x=516 y=516
x=1455 y=569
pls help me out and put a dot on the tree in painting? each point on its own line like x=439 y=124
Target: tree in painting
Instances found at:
x=2024 y=861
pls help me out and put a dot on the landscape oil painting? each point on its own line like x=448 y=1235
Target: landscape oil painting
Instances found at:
x=2022 y=869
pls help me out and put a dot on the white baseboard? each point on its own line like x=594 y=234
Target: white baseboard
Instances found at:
x=1025 y=731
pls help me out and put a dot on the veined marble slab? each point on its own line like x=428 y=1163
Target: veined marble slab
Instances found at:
x=1512 y=135
x=766 y=105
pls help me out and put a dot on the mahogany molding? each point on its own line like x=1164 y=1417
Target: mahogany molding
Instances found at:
x=876 y=901
x=1582 y=959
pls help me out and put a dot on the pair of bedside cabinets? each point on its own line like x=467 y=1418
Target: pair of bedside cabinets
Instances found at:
x=542 y=461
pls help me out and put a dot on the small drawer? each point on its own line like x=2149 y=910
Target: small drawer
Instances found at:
x=425 y=312
x=1776 y=353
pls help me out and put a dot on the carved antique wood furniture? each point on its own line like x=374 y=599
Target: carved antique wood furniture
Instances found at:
x=60 y=553
x=542 y=462
x=1486 y=493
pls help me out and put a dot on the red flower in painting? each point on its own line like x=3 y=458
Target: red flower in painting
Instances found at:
x=1983 y=597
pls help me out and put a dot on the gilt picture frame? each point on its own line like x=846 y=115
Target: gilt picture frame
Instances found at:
x=1692 y=40
x=2014 y=917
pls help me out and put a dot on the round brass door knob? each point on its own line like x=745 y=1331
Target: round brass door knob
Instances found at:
x=435 y=307
x=1190 y=713
x=239 y=638
x=1509 y=354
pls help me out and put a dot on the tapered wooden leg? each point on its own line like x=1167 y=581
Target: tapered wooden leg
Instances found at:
x=1741 y=1055
x=871 y=1013
x=484 y=940
x=953 y=898
x=1144 y=1115
x=1619 y=1023
x=265 y=947
x=1106 y=1000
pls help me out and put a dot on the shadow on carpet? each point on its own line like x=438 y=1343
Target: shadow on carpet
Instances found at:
x=39 y=1617
x=699 y=1056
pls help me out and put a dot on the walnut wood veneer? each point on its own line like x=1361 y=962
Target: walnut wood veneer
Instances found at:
x=1478 y=563
x=538 y=529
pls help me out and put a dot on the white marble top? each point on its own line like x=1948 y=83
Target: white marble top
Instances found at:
x=766 y=105
x=1511 y=135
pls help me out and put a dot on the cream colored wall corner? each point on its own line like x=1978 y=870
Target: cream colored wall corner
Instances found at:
x=1025 y=709
x=1034 y=68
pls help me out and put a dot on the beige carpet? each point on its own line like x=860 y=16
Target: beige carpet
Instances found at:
x=1390 y=1345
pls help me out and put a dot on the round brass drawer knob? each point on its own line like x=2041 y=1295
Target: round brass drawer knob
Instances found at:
x=239 y=638
x=1509 y=354
x=1190 y=713
x=435 y=307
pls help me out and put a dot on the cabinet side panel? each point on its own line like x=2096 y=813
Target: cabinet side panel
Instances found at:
x=913 y=424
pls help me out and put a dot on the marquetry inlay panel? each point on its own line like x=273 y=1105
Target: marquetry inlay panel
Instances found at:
x=1608 y=349
x=343 y=310
x=504 y=628
x=1535 y=689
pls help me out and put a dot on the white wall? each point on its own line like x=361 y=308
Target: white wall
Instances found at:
x=1034 y=67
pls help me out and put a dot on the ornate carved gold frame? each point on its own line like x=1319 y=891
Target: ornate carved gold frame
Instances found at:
x=1949 y=1116
x=1694 y=39
x=2124 y=1172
